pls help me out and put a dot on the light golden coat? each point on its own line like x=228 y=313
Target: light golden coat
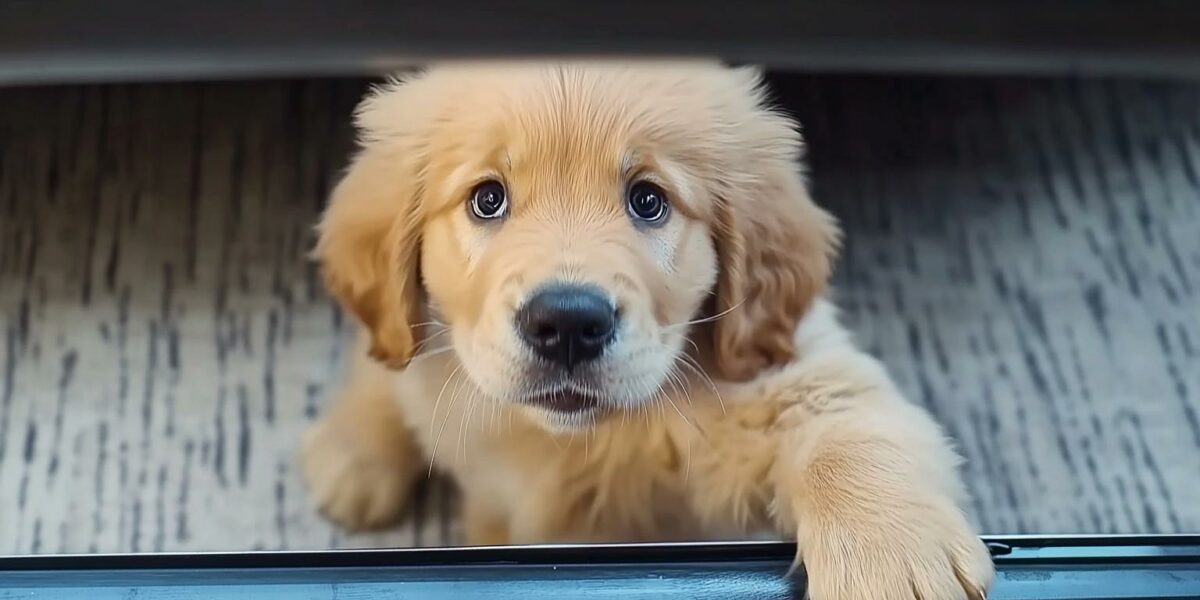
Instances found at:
x=737 y=403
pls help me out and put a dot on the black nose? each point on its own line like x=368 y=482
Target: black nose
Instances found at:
x=567 y=324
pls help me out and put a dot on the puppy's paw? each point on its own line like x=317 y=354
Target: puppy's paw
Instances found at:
x=355 y=485
x=922 y=555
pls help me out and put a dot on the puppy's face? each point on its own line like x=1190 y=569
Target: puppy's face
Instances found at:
x=566 y=257
x=569 y=222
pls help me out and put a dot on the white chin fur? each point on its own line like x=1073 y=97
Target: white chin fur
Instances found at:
x=563 y=422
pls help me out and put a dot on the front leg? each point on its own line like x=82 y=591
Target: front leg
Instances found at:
x=868 y=484
x=360 y=460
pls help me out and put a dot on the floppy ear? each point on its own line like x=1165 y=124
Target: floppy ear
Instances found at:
x=776 y=250
x=369 y=236
x=368 y=244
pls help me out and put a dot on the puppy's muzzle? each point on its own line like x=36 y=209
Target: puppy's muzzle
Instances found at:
x=568 y=325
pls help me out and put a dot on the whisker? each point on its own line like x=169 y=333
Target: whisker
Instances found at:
x=662 y=393
x=426 y=352
x=425 y=342
x=708 y=318
x=473 y=402
x=433 y=416
x=473 y=405
x=677 y=411
x=703 y=435
x=431 y=354
x=428 y=323
x=442 y=428
x=674 y=376
x=691 y=363
x=684 y=387
x=493 y=422
x=460 y=448
x=687 y=471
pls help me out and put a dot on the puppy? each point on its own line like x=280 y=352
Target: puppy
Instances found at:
x=592 y=293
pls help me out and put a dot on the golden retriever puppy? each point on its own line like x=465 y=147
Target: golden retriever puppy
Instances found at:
x=592 y=292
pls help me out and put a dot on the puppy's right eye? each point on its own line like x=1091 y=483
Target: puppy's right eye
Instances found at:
x=489 y=200
x=647 y=204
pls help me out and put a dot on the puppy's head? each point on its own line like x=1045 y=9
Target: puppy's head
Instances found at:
x=574 y=225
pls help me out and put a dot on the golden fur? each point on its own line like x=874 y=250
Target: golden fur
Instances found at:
x=733 y=402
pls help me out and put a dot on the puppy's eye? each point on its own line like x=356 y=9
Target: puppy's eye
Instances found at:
x=489 y=200
x=647 y=203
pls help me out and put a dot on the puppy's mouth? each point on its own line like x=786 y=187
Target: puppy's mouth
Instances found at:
x=565 y=401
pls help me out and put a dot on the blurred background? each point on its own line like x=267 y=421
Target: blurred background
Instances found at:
x=1019 y=183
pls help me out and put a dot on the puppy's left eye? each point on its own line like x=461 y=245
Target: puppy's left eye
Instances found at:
x=647 y=203
x=489 y=200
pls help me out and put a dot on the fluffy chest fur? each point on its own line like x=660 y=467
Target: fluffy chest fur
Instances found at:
x=698 y=465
